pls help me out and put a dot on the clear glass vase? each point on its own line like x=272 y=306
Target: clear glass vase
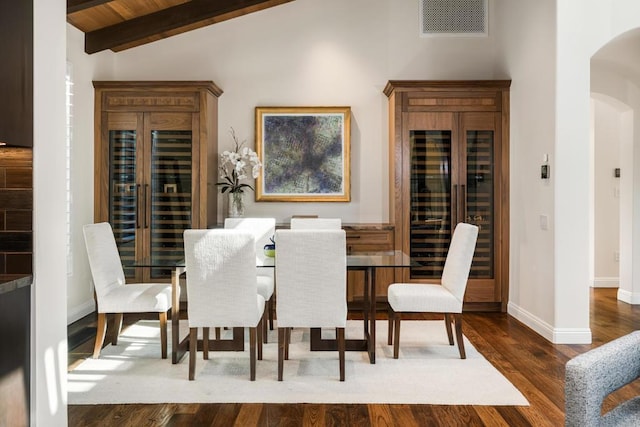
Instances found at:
x=236 y=205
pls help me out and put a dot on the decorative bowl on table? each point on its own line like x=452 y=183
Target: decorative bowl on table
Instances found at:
x=270 y=250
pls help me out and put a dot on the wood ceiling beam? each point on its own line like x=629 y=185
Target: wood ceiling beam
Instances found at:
x=130 y=33
x=78 y=5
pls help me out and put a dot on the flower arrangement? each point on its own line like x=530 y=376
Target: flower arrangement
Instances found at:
x=236 y=165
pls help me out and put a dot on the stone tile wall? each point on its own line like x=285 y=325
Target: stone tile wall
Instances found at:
x=16 y=210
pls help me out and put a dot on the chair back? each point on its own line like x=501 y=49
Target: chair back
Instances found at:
x=221 y=278
x=316 y=223
x=458 y=263
x=262 y=228
x=311 y=276
x=104 y=258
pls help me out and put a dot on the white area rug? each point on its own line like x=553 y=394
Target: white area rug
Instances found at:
x=429 y=371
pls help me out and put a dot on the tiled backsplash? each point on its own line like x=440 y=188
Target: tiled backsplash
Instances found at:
x=16 y=210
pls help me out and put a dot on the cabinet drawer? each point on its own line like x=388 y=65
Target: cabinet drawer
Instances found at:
x=369 y=240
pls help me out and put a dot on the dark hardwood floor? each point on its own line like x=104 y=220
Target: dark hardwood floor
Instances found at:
x=531 y=363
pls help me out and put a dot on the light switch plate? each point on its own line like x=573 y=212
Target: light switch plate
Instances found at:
x=544 y=222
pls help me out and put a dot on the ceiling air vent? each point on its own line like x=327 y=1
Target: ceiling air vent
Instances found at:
x=467 y=18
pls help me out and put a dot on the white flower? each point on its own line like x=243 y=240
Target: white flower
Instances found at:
x=234 y=166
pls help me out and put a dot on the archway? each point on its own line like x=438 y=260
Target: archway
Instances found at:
x=615 y=88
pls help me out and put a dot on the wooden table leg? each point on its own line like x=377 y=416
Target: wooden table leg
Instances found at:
x=368 y=344
x=371 y=273
x=178 y=349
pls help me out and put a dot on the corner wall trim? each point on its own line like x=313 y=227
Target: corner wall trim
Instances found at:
x=547 y=331
x=77 y=313
x=605 y=282
x=628 y=297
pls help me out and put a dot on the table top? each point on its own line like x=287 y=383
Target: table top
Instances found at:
x=361 y=260
x=11 y=282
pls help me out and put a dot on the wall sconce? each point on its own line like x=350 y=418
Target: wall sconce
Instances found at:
x=616 y=172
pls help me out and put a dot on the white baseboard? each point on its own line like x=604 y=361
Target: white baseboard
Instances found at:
x=606 y=282
x=77 y=313
x=547 y=331
x=628 y=297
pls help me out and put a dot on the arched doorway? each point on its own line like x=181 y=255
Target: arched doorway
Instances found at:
x=615 y=88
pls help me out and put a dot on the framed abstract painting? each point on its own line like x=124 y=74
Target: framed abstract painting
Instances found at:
x=305 y=153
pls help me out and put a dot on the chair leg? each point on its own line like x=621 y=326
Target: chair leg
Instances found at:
x=281 y=344
x=271 y=312
x=458 y=321
x=101 y=331
x=341 y=348
x=396 y=333
x=117 y=327
x=390 y=327
x=205 y=343
x=252 y=353
x=163 y=334
x=261 y=330
x=447 y=324
x=287 y=341
x=264 y=326
x=193 y=347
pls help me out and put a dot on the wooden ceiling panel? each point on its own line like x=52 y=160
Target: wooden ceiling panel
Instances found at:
x=123 y=24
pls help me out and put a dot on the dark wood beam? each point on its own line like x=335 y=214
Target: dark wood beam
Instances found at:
x=168 y=20
x=78 y=5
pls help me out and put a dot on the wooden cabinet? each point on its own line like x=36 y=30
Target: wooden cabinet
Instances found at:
x=362 y=238
x=449 y=163
x=156 y=157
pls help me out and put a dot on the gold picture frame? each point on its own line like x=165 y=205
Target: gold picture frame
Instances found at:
x=305 y=154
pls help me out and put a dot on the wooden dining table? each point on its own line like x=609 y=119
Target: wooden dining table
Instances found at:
x=368 y=262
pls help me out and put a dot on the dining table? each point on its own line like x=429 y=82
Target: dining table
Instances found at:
x=368 y=262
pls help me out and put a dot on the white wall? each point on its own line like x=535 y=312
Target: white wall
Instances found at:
x=607 y=130
x=584 y=26
x=84 y=69
x=529 y=55
x=49 y=340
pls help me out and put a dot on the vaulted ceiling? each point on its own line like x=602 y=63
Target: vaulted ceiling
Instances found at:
x=123 y=24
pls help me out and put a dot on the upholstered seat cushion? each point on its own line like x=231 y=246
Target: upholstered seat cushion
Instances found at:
x=265 y=286
x=413 y=297
x=136 y=298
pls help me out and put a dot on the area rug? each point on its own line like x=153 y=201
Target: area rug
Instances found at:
x=429 y=371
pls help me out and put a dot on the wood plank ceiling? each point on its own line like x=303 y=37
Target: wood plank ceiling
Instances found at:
x=123 y=24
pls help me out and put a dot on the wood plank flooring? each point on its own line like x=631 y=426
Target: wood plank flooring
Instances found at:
x=531 y=363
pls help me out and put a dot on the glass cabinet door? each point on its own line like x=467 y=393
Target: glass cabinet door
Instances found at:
x=479 y=132
x=170 y=195
x=451 y=180
x=150 y=188
x=479 y=199
x=169 y=187
x=430 y=200
x=123 y=192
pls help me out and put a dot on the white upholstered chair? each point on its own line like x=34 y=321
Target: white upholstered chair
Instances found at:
x=446 y=298
x=316 y=223
x=311 y=291
x=263 y=229
x=111 y=292
x=222 y=288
